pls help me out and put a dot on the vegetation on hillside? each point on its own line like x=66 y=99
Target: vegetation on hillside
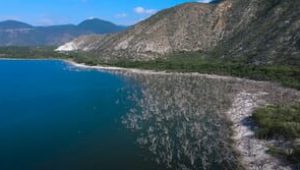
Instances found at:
x=280 y=122
x=284 y=74
x=185 y=62
x=30 y=52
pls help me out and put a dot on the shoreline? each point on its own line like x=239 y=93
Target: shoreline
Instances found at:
x=252 y=150
x=135 y=70
x=156 y=72
x=132 y=70
x=147 y=71
x=31 y=59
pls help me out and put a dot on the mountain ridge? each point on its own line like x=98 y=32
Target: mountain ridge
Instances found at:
x=234 y=29
x=13 y=24
x=157 y=35
x=16 y=33
x=177 y=29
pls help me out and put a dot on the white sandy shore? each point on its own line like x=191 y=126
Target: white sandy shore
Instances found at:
x=139 y=71
x=154 y=72
x=132 y=70
x=252 y=150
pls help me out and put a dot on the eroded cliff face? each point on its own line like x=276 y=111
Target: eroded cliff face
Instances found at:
x=258 y=31
x=262 y=31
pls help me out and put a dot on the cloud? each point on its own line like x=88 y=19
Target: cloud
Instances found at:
x=91 y=18
x=121 y=15
x=143 y=11
x=204 y=1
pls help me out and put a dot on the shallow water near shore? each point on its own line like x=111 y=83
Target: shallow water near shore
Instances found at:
x=54 y=115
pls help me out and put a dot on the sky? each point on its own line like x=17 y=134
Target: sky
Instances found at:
x=57 y=12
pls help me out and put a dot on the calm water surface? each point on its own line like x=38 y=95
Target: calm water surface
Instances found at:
x=56 y=117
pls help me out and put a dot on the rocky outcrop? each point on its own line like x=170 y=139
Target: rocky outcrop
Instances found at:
x=262 y=32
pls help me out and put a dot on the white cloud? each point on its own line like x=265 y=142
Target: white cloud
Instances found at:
x=121 y=15
x=91 y=18
x=204 y=1
x=142 y=10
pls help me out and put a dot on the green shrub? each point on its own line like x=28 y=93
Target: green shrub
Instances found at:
x=294 y=157
x=278 y=121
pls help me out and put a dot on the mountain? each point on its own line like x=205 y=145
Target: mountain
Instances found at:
x=188 y=27
x=14 y=33
x=10 y=24
x=262 y=32
x=255 y=31
x=216 y=1
x=100 y=26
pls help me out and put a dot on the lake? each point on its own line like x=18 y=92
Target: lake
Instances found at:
x=53 y=116
x=57 y=116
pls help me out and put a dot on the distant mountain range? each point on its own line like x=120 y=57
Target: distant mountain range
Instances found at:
x=15 y=33
x=253 y=31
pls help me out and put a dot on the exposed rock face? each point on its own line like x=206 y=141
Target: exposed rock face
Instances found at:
x=258 y=31
x=188 y=27
x=262 y=31
x=84 y=43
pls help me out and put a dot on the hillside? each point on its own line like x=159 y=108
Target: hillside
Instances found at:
x=182 y=28
x=262 y=32
x=254 y=31
x=100 y=26
x=15 y=33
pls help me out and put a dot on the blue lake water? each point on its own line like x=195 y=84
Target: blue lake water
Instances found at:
x=56 y=117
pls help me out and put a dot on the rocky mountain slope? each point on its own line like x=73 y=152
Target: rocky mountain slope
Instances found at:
x=262 y=31
x=182 y=28
x=254 y=31
x=14 y=33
